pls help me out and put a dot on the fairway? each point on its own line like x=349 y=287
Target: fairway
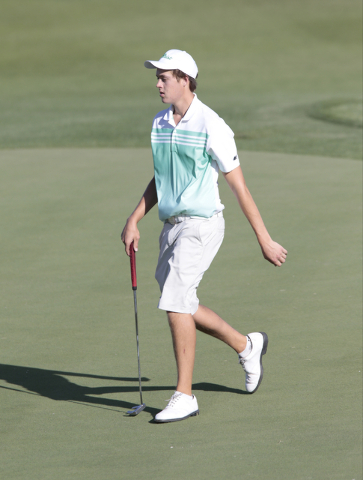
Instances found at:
x=76 y=109
x=68 y=370
x=72 y=71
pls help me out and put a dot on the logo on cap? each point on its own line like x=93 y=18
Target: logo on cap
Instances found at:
x=167 y=57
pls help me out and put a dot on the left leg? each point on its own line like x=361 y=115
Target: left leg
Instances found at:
x=250 y=349
x=212 y=324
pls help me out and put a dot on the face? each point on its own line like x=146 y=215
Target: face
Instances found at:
x=170 y=89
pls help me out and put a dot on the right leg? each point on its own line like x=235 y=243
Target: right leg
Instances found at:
x=182 y=403
x=183 y=333
x=212 y=324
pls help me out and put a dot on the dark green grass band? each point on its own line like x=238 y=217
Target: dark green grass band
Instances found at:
x=346 y=112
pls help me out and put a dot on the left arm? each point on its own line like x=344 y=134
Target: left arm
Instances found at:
x=272 y=251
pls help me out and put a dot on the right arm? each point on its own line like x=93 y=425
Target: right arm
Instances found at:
x=130 y=233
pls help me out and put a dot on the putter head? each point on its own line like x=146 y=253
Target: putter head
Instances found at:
x=136 y=410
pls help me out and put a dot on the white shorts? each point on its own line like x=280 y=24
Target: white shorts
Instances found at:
x=186 y=252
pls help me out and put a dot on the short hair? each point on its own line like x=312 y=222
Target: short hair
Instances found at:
x=178 y=74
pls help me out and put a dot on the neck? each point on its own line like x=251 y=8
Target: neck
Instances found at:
x=181 y=107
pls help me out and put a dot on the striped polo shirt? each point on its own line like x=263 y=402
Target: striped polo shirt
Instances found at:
x=187 y=158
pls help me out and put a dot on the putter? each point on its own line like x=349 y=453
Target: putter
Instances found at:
x=138 y=408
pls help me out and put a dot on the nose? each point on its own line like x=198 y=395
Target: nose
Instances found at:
x=158 y=84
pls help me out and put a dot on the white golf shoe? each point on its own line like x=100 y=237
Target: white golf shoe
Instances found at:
x=252 y=364
x=180 y=406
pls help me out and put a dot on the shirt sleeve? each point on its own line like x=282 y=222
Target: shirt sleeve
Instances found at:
x=222 y=147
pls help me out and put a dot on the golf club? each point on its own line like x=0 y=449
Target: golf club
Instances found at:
x=138 y=408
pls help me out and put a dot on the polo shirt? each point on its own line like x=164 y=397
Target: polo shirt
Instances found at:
x=187 y=158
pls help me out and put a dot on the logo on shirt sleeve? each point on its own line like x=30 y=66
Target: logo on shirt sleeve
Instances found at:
x=235 y=158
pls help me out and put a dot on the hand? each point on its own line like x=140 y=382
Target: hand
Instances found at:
x=130 y=234
x=274 y=253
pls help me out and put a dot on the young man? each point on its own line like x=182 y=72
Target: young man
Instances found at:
x=190 y=144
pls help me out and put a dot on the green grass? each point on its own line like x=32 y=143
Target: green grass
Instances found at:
x=286 y=76
x=68 y=368
x=72 y=71
x=345 y=112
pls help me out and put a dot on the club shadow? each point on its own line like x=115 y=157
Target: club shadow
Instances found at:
x=52 y=384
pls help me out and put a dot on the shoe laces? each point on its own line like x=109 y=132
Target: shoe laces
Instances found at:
x=242 y=360
x=174 y=398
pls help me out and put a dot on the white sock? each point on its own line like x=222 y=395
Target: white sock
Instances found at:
x=190 y=396
x=247 y=350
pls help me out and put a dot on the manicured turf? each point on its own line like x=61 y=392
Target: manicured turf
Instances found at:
x=343 y=112
x=68 y=355
x=72 y=71
x=286 y=76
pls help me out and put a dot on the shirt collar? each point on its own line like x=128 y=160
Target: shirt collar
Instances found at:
x=192 y=107
x=169 y=116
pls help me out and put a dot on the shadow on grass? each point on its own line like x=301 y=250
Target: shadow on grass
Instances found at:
x=52 y=384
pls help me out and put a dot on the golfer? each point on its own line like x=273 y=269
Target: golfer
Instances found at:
x=190 y=145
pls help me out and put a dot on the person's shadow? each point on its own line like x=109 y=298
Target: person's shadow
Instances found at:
x=53 y=385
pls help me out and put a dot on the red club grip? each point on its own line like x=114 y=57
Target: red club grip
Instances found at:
x=133 y=266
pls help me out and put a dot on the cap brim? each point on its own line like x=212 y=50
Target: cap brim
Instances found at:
x=155 y=64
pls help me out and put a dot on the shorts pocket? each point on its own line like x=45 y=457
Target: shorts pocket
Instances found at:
x=163 y=237
x=211 y=229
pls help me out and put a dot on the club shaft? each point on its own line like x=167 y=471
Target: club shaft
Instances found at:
x=137 y=344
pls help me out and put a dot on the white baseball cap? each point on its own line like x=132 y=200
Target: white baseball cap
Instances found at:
x=175 y=60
